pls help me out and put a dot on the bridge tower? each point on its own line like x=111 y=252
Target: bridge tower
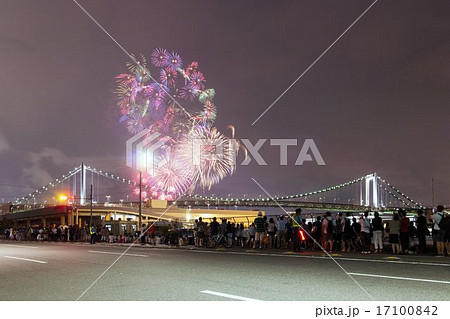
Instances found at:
x=83 y=184
x=369 y=186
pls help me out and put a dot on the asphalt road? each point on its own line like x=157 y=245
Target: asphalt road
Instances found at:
x=65 y=271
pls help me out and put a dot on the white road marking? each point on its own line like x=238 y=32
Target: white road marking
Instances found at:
x=21 y=246
x=110 y=253
x=26 y=259
x=400 y=278
x=221 y=294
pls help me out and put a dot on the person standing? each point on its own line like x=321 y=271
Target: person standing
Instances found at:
x=347 y=233
x=327 y=232
x=92 y=231
x=251 y=234
x=404 y=231
x=281 y=232
x=201 y=228
x=296 y=222
x=377 y=229
x=394 y=232
x=271 y=230
x=245 y=236
x=151 y=234
x=422 y=231
x=214 y=227
x=339 y=221
x=142 y=234
x=239 y=231
x=229 y=236
x=316 y=232
x=439 y=228
x=260 y=226
x=365 y=233
x=195 y=233
x=223 y=227
x=356 y=235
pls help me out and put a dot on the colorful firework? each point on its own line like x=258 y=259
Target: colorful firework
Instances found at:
x=168 y=76
x=209 y=111
x=188 y=93
x=160 y=57
x=191 y=68
x=174 y=61
x=135 y=124
x=209 y=155
x=171 y=176
x=180 y=107
x=197 y=80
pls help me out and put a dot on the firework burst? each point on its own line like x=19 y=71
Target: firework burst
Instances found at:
x=208 y=154
x=160 y=58
x=171 y=176
x=197 y=80
x=174 y=61
x=145 y=103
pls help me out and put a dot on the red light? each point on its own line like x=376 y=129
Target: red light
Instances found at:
x=302 y=235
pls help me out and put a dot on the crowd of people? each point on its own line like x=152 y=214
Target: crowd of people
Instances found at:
x=334 y=233
x=341 y=232
x=91 y=234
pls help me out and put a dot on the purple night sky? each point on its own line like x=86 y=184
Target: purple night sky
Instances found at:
x=377 y=101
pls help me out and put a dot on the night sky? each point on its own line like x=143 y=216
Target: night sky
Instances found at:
x=377 y=101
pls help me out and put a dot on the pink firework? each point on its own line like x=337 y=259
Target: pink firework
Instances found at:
x=169 y=116
x=174 y=61
x=171 y=176
x=188 y=93
x=210 y=111
x=161 y=106
x=197 y=80
x=160 y=57
x=156 y=95
x=125 y=78
x=135 y=124
x=191 y=68
x=168 y=76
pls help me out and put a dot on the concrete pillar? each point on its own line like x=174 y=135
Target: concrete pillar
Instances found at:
x=28 y=223
x=63 y=219
x=44 y=222
x=15 y=224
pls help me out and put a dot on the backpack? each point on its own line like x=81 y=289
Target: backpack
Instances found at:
x=443 y=223
x=330 y=227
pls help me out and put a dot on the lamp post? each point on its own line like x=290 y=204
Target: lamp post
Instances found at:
x=90 y=199
x=140 y=199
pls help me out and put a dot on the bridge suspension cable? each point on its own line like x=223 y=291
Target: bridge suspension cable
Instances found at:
x=49 y=185
x=382 y=185
x=409 y=200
